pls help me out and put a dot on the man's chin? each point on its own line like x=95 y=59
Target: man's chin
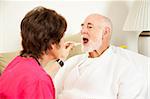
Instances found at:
x=87 y=50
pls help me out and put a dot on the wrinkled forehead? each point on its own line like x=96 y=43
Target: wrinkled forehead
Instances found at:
x=92 y=20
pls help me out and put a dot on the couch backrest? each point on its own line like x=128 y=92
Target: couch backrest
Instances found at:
x=5 y=58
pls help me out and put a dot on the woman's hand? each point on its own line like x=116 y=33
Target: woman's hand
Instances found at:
x=66 y=49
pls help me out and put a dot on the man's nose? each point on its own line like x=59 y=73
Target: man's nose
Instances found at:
x=84 y=30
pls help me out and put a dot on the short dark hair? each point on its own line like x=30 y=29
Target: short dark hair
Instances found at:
x=40 y=28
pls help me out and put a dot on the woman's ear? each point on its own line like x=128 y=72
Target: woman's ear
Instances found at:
x=50 y=47
x=53 y=46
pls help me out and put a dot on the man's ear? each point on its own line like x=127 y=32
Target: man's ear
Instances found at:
x=106 y=32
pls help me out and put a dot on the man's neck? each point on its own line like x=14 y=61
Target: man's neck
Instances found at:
x=97 y=53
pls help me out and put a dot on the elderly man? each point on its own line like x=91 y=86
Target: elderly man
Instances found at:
x=103 y=72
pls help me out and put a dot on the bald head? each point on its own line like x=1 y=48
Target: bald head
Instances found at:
x=100 y=20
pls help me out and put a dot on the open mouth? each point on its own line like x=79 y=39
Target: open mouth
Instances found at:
x=85 y=40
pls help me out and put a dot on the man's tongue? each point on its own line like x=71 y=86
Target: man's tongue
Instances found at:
x=85 y=40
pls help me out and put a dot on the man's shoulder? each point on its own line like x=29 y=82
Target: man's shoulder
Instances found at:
x=130 y=57
x=127 y=54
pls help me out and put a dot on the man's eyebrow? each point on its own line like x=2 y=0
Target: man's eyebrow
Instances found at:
x=90 y=24
x=82 y=24
x=87 y=24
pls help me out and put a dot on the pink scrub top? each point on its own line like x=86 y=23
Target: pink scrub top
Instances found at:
x=24 y=78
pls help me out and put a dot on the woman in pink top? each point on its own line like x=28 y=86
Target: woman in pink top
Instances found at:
x=42 y=32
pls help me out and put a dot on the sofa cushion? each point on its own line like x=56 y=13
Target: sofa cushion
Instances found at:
x=5 y=58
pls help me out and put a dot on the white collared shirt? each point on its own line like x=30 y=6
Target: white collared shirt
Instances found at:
x=110 y=76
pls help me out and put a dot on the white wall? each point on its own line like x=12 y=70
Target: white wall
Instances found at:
x=12 y=12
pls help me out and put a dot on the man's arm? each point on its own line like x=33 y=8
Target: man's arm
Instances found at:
x=132 y=83
x=64 y=72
